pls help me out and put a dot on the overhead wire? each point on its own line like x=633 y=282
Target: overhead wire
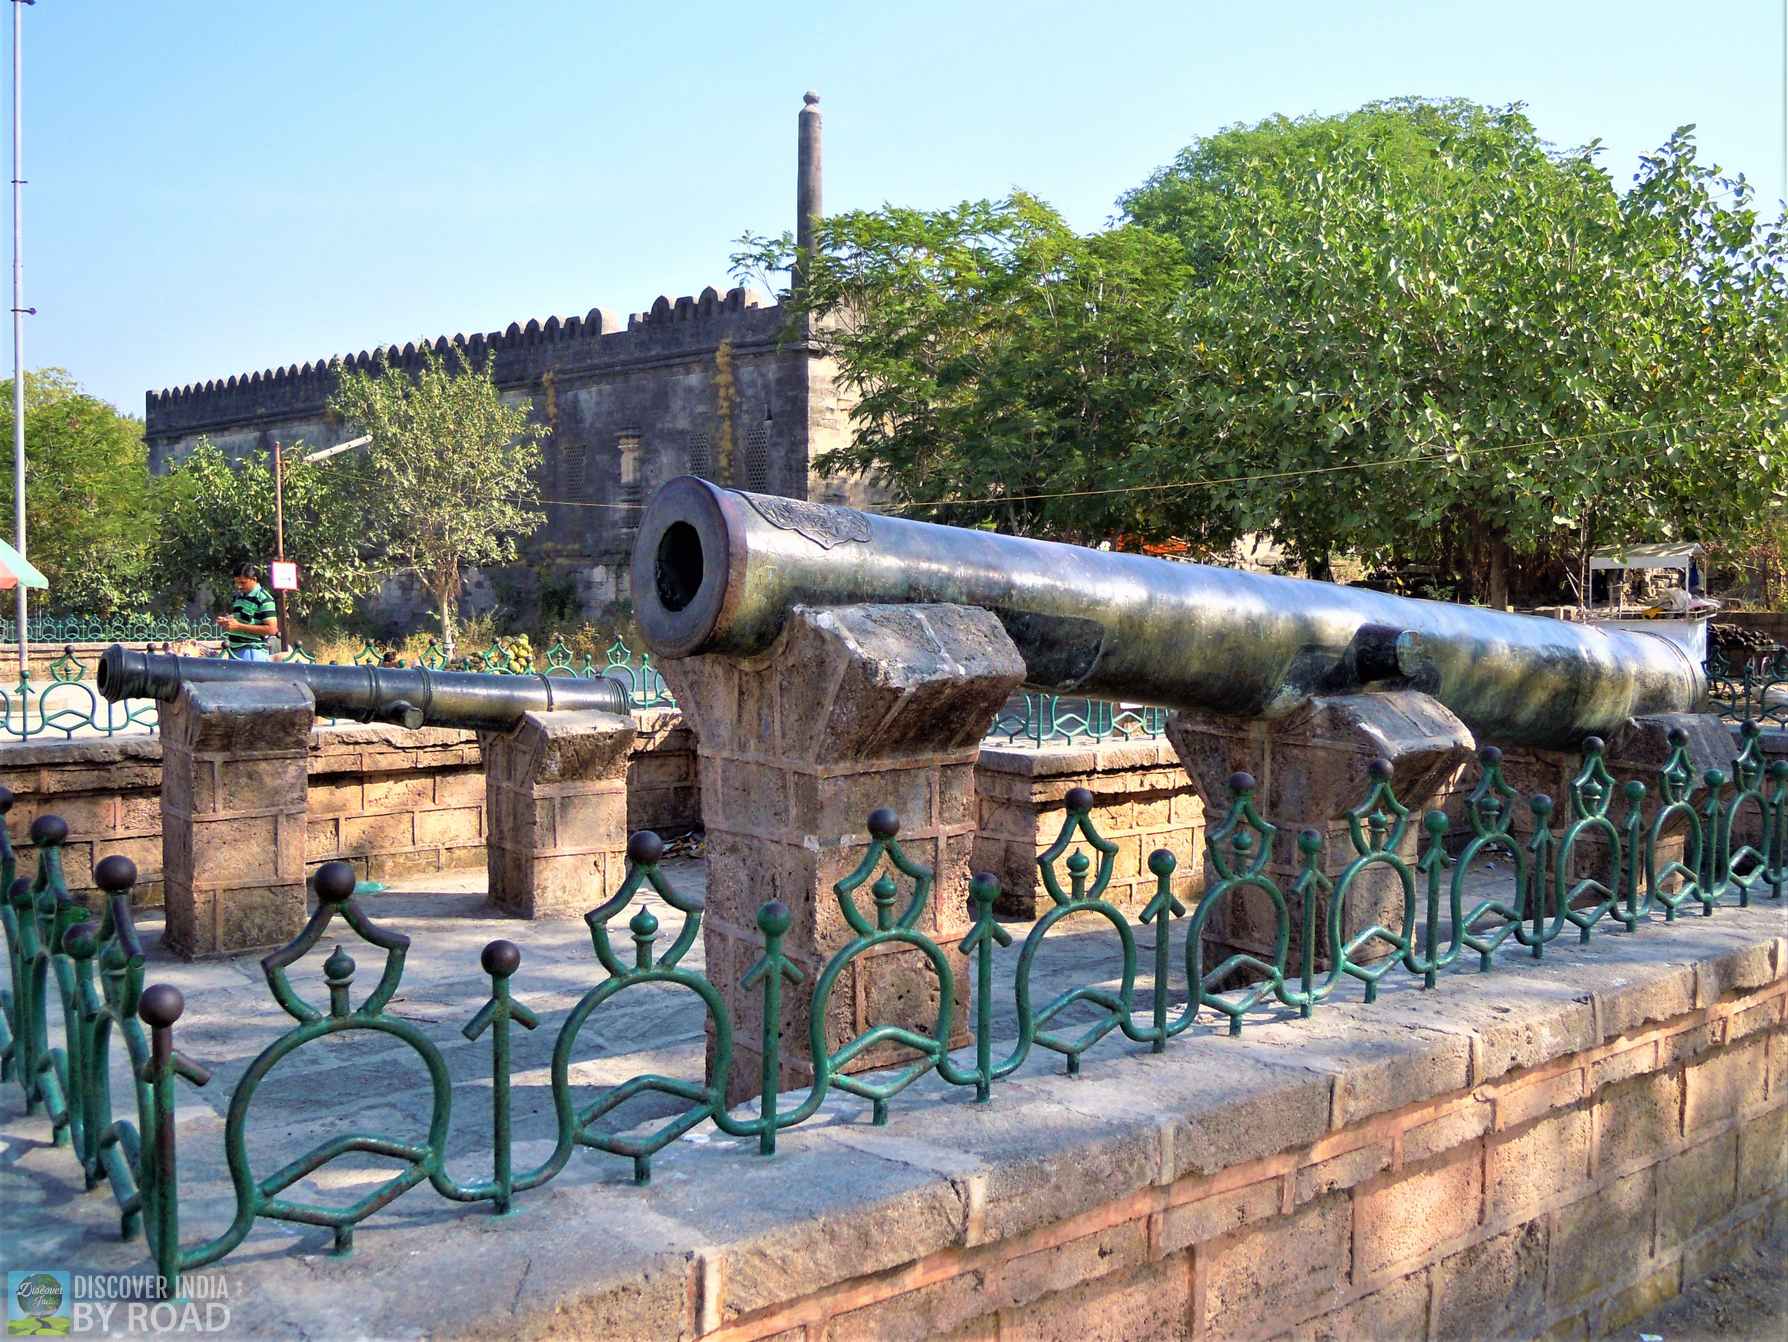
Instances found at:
x=1440 y=455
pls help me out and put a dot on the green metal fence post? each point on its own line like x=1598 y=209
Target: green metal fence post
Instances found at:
x=500 y=959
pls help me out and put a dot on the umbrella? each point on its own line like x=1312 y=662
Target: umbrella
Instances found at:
x=16 y=569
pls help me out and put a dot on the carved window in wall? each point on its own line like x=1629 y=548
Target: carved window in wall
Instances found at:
x=573 y=472
x=757 y=458
x=701 y=456
x=627 y=448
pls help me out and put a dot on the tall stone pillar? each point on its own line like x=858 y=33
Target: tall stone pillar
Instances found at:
x=853 y=709
x=555 y=798
x=808 y=206
x=1310 y=769
x=234 y=766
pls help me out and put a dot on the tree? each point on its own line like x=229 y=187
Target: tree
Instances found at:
x=90 y=523
x=1411 y=333
x=1479 y=352
x=217 y=513
x=994 y=353
x=451 y=470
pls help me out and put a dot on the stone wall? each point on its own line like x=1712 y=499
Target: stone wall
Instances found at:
x=1550 y=1150
x=42 y=656
x=716 y=385
x=109 y=792
x=1142 y=801
x=393 y=802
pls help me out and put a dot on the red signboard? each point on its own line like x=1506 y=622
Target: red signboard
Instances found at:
x=283 y=576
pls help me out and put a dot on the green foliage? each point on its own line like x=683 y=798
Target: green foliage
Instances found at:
x=995 y=353
x=216 y=514
x=451 y=470
x=1412 y=332
x=88 y=507
x=1519 y=358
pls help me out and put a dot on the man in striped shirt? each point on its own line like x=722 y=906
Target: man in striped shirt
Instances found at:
x=251 y=621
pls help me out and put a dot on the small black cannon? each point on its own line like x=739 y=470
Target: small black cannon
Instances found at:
x=718 y=570
x=406 y=696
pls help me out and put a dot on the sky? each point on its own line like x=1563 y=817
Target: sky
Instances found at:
x=218 y=186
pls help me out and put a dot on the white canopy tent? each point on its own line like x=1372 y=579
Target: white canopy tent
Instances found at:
x=1667 y=554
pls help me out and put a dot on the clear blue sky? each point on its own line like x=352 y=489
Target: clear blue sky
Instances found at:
x=228 y=185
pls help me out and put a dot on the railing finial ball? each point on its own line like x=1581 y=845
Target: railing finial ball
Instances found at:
x=335 y=882
x=774 y=919
x=500 y=959
x=160 y=1005
x=115 y=873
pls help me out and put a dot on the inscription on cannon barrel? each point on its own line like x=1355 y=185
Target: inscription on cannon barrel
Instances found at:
x=825 y=526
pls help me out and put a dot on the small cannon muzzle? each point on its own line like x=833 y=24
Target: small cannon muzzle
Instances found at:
x=405 y=696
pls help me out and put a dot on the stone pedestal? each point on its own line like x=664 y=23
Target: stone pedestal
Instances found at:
x=1639 y=750
x=854 y=708
x=1310 y=769
x=555 y=798
x=234 y=763
x=1142 y=801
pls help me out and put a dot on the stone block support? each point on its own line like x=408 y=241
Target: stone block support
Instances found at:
x=1310 y=769
x=854 y=708
x=555 y=796
x=233 y=816
x=1639 y=750
x=1142 y=801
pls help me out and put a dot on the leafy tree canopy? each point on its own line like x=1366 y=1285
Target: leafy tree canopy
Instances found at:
x=1413 y=332
x=217 y=513
x=91 y=524
x=996 y=353
x=451 y=470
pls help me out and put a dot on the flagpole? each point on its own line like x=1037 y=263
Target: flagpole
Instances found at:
x=18 y=319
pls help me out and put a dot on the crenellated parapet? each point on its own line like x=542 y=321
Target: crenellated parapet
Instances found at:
x=523 y=353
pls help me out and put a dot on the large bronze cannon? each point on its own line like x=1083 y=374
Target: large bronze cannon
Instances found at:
x=717 y=571
x=407 y=696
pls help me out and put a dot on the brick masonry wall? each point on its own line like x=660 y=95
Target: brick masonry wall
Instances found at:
x=1558 y=1171
x=393 y=802
x=1142 y=801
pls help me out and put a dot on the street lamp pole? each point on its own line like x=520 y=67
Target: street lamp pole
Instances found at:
x=18 y=319
x=279 y=538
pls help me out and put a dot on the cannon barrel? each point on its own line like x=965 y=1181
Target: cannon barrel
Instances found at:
x=718 y=570
x=407 y=696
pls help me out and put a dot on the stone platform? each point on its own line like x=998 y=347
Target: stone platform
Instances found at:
x=1434 y=1163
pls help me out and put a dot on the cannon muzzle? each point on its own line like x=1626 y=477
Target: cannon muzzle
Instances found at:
x=406 y=696
x=718 y=570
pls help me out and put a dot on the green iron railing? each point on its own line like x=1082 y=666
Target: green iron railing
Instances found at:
x=115 y=628
x=1754 y=690
x=1052 y=719
x=87 y=972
